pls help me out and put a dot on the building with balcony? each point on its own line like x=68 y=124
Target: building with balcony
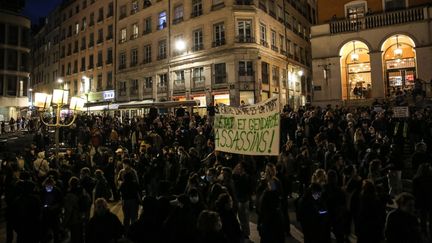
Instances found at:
x=46 y=53
x=214 y=51
x=366 y=50
x=14 y=59
x=78 y=45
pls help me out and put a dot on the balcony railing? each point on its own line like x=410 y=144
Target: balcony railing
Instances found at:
x=246 y=73
x=217 y=6
x=161 y=56
x=178 y=20
x=244 y=2
x=245 y=39
x=274 y=48
x=198 y=47
x=196 y=13
x=162 y=89
x=147 y=60
x=198 y=82
x=179 y=84
x=219 y=42
x=378 y=20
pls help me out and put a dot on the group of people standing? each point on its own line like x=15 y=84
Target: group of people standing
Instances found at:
x=341 y=171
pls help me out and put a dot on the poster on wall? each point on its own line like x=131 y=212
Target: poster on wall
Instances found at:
x=249 y=130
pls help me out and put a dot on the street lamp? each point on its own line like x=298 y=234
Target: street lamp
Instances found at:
x=58 y=100
x=180 y=45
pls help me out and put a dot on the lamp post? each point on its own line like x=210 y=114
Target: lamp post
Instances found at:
x=58 y=100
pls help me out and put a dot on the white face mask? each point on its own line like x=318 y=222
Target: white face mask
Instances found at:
x=194 y=199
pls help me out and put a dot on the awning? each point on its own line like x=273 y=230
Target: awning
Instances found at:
x=103 y=107
x=165 y=104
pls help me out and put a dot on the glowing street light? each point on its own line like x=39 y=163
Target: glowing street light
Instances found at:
x=180 y=45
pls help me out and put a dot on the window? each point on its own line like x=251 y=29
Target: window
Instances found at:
x=12 y=57
x=163 y=80
x=273 y=40
x=91 y=40
x=148 y=82
x=147 y=3
x=282 y=43
x=83 y=43
x=180 y=77
x=178 y=14
x=134 y=57
x=75 y=86
x=263 y=35
x=197 y=40
x=69 y=31
x=394 y=4
x=122 y=60
x=101 y=14
x=220 y=73
x=147 y=25
x=84 y=4
x=91 y=61
x=217 y=4
x=123 y=34
x=355 y=11
x=109 y=55
x=91 y=23
x=13 y=35
x=244 y=29
x=122 y=88
x=264 y=72
x=198 y=75
x=162 y=20
x=100 y=36
x=11 y=85
x=99 y=59
x=83 y=64
x=69 y=69
x=162 y=50
x=76 y=28
x=99 y=82
x=110 y=9
x=219 y=34
x=245 y=68
x=296 y=52
x=147 y=54
x=134 y=8
x=110 y=32
x=275 y=75
x=271 y=6
x=134 y=31
x=134 y=87
x=109 y=80
x=77 y=8
x=196 y=8
x=75 y=67
x=122 y=12
x=83 y=24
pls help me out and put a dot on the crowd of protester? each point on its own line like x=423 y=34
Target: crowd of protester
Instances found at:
x=347 y=171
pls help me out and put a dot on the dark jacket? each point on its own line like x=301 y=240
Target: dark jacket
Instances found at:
x=104 y=228
x=402 y=227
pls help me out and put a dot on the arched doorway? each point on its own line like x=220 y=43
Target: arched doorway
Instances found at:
x=399 y=61
x=355 y=70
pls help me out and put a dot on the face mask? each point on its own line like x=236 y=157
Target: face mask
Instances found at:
x=194 y=199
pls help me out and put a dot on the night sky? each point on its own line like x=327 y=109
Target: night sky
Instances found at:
x=35 y=9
